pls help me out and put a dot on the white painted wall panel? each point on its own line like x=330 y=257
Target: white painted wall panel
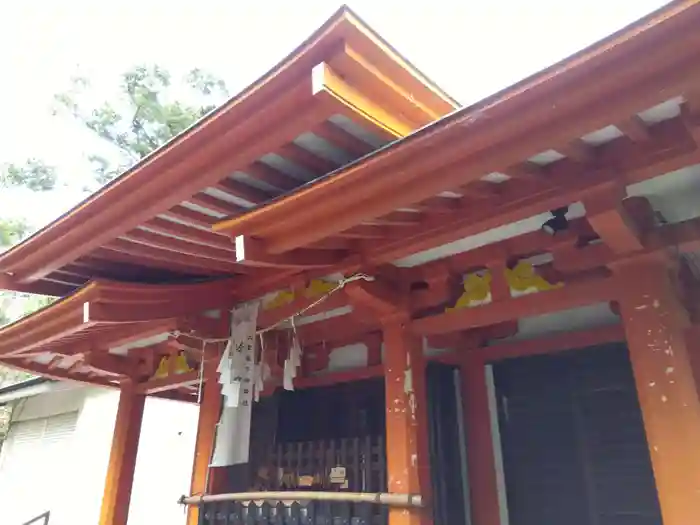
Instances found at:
x=163 y=468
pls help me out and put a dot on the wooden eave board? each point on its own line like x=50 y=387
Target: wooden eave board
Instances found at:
x=106 y=319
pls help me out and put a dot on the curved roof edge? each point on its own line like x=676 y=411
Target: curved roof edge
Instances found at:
x=87 y=336
x=313 y=49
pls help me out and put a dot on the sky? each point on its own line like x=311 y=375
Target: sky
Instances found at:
x=470 y=48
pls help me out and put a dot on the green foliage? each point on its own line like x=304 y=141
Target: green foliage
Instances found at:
x=144 y=116
x=5 y=299
x=33 y=175
x=36 y=176
x=8 y=376
x=12 y=231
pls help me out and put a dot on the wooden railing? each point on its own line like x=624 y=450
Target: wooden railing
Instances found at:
x=299 y=508
x=324 y=482
x=309 y=465
x=296 y=513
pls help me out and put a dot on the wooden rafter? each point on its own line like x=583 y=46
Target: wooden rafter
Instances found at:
x=329 y=87
x=9 y=282
x=380 y=300
x=271 y=176
x=183 y=246
x=190 y=216
x=251 y=253
x=368 y=78
x=60 y=374
x=683 y=237
x=243 y=191
x=690 y=114
x=634 y=128
x=342 y=139
x=193 y=234
x=311 y=162
x=167 y=256
x=612 y=222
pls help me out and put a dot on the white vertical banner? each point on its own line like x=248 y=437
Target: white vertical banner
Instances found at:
x=292 y=363
x=237 y=371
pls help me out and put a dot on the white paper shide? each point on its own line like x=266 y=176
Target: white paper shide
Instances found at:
x=241 y=378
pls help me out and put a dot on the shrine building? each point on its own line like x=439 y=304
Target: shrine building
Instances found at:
x=395 y=310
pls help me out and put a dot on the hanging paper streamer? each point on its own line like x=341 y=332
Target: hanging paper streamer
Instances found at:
x=237 y=367
x=293 y=361
x=237 y=373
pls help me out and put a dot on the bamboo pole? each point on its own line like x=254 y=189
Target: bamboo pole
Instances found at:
x=380 y=498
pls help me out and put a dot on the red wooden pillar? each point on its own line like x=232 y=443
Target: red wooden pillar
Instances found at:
x=122 y=457
x=209 y=412
x=481 y=462
x=408 y=464
x=655 y=324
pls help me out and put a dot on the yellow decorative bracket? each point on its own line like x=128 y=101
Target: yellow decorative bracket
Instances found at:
x=316 y=288
x=319 y=287
x=522 y=279
x=477 y=290
x=180 y=366
x=280 y=299
x=163 y=368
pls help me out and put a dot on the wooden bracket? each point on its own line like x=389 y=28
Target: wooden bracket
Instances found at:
x=612 y=221
x=378 y=298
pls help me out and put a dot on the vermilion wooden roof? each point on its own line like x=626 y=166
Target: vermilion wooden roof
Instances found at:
x=340 y=95
x=619 y=119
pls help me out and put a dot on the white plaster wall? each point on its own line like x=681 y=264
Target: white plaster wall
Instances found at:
x=92 y=443
x=164 y=461
x=37 y=488
x=347 y=357
x=50 y=404
x=586 y=317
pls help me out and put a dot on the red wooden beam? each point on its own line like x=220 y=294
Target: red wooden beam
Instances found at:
x=344 y=376
x=538 y=346
x=170 y=382
x=251 y=252
x=683 y=237
x=377 y=298
x=611 y=221
x=570 y=296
